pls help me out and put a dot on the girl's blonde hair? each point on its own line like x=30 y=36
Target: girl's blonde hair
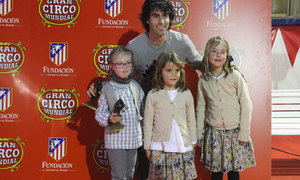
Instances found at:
x=205 y=66
x=163 y=58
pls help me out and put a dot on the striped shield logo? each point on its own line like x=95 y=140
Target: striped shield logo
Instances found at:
x=5 y=6
x=58 y=53
x=113 y=7
x=57 y=148
x=221 y=9
x=5 y=98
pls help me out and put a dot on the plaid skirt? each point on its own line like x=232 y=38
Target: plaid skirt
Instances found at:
x=221 y=152
x=172 y=166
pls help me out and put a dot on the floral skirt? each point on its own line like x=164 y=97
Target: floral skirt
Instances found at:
x=173 y=166
x=221 y=151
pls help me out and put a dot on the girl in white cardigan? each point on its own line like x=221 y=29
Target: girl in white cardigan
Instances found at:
x=169 y=122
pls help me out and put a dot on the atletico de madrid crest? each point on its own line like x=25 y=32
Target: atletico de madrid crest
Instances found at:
x=113 y=7
x=57 y=148
x=5 y=6
x=221 y=9
x=58 y=53
x=5 y=98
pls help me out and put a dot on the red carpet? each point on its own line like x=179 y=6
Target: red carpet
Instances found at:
x=286 y=155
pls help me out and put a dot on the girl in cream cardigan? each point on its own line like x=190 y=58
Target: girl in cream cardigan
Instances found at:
x=223 y=114
x=169 y=122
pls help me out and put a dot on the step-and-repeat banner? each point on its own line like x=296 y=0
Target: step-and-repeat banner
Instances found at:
x=51 y=50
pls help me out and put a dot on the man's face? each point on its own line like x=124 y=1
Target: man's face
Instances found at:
x=158 y=23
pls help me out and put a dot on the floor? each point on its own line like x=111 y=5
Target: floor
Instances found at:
x=285 y=178
x=285 y=157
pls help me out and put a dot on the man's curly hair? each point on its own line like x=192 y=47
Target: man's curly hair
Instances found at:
x=162 y=5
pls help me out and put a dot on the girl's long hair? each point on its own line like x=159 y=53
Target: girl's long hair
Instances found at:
x=205 y=66
x=169 y=56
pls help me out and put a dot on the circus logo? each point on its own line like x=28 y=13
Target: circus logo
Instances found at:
x=5 y=98
x=11 y=153
x=58 y=53
x=182 y=13
x=100 y=155
x=236 y=54
x=113 y=7
x=100 y=59
x=59 y=12
x=12 y=58
x=221 y=9
x=57 y=148
x=6 y=6
x=57 y=104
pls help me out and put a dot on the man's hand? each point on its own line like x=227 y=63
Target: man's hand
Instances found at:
x=91 y=91
x=195 y=65
x=199 y=73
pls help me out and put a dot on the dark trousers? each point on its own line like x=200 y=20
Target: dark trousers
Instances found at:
x=142 y=165
x=232 y=175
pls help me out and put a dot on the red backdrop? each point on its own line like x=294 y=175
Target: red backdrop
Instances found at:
x=46 y=132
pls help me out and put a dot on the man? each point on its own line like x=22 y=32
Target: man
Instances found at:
x=156 y=17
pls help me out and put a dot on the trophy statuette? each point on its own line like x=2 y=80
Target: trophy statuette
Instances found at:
x=118 y=106
x=90 y=104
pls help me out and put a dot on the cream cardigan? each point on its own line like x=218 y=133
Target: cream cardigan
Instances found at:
x=224 y=104
x=159 y=114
